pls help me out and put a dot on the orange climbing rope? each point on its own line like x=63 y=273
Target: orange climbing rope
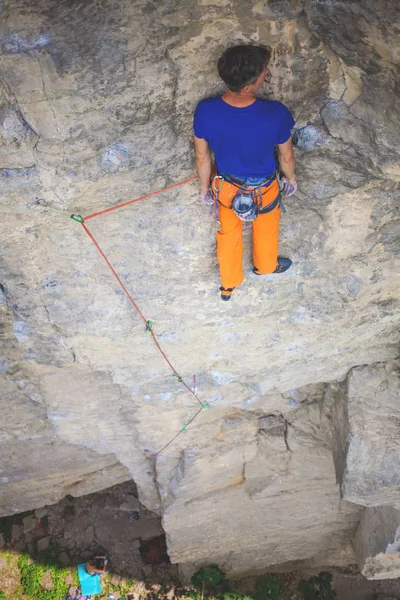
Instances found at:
x=148 y=323
x=170 y=187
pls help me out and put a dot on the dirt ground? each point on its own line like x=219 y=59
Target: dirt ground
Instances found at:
x=111 y=522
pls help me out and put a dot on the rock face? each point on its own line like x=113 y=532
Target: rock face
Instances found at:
x=96 y=103
x=366 y=452
x=371 y=476
x=378 y=543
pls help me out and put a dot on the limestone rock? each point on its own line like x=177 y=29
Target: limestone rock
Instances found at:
x=40 y=513
x=29 y=523
x=28 y=458
x=378 y=543
x=17 y=531
x=289 y=484
x=371 y=475
x=96 y=108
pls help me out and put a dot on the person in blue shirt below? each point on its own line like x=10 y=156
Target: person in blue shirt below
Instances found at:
x=243 y=131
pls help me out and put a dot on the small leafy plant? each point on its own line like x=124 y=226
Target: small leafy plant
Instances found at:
x=208 y=579
x=318 y=587
x=268 y=588
x=2 y=596
x=126 y=587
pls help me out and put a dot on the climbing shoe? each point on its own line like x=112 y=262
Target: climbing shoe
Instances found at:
x=283 y=265
x=226 y=293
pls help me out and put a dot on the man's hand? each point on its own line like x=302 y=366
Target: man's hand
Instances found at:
x=207 y=197
x=289 y=186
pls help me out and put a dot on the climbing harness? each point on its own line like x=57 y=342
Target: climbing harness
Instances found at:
x=247 y=203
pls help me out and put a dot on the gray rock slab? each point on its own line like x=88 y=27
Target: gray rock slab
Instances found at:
x=17 y=531
x=28 y=537
x=64 y=559
x=40 y=513
x=29 y=523
x=43 y=544
x=378 y=543
x=371 y=475
x=130 y=503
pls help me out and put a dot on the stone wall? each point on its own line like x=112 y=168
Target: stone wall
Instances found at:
x=96 y=103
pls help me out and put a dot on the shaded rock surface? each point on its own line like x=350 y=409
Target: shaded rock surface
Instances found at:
x=371 y=476
x=96 y=103
x=378 y=543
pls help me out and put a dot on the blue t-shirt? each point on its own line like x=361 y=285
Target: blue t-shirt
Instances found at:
x=243 y=139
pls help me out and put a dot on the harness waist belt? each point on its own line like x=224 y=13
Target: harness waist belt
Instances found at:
x=249 y=182
x=255 y=187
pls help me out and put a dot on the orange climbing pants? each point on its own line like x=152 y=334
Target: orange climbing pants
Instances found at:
x=229 y=237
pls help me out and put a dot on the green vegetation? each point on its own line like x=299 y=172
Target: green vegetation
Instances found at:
x=210 y=582
x=318 y=587
x=31 y=579
x=208 y=579
x=268 y=587
x=126 y=587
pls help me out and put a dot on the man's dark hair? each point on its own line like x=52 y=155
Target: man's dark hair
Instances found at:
x=242 y=65
x=99 y=563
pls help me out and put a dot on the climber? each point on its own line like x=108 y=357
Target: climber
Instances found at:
x=89 y=574
x=97 y=565
x=242 y=131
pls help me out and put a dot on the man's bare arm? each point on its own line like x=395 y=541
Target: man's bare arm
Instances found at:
x=286 y=159
x=203 y=160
